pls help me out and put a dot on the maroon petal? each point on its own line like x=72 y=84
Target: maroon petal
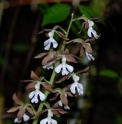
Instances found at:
x=55 y=97
x=30 y=110
x=17 y=101
x=85 y=71
x=67 y=87
x=60 y=34
x=88 y=48
x=61 y=111
x=46 y=59
x=39 y=113
x=62 y=79
x=40 y=55
x=26 y=80
x=31 y=85
x=64 y=99
x=20 y=114
x=34 y=76
x=48 y=87
x=69 y=94
x=71 y=59
x=13 y=109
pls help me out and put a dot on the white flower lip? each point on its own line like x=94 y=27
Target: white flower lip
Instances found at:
x=34 y=95
x=25 y=118
x=76 y=85
x=48 y=42
x=16 y=120
x=65 y=67
x=91 y=31
x=60 y=103
x=89 y=56
x=48 y=120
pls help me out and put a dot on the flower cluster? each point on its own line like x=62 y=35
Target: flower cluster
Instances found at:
x=60 y=61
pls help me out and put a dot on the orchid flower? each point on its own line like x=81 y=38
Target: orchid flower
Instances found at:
x=48 y=120
x=25 y=118
x=49 y=65
x=76 y=85
x=34 y=94
x=89 y=54
x=65 y=67
x=22 y=108
x=65 y=106
x=91 y=31
x=48 y=42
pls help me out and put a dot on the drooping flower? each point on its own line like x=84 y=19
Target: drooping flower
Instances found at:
x=49 y=65
x=91 y=31
x=65 y=106
x=63 y=93
x=48 y=120
x=48 y=42
x=65 y=68
x=25 y=118
x=76 y=85
x=34 y=94
x=85 y=45
x=84 y=72
x=89 y=56
x=50 y=34
x=22 y=108
x=35 y=83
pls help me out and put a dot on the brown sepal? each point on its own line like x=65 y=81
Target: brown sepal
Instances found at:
x=16 y=100
x=62 y=79
x=55 y=106
x=61 y=35
x=26 y=80
x=34 y=76
x=13 y=109
x=30 y=110
x=85 y=71
x=67 y=87
x=61 y=111
x=81 y=51
x=71 y=59
x=43 y=30
x=48 y=87
x=55 y=97
x=88 y=48
x=20 y=114
x=90 y=39
x=46 y=60
x=31 y=85
x=70 y=94
x=64 y=99
x=55 y=112
x=39 y=113
x=40 y=55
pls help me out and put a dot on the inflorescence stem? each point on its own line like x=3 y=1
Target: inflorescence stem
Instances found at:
x=53 y=73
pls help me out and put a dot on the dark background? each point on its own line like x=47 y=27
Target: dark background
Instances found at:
x=19 y=43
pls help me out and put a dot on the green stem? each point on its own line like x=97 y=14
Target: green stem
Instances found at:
x=53 y=73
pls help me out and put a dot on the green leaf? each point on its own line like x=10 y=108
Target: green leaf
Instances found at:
x=109 y=73
x=56 y=13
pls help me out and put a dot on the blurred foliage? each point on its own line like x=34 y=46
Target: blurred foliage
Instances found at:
x=99 y=5
x=19 y=47
x=109 y=73
x=56 y=13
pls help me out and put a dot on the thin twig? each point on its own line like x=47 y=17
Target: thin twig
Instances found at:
x=8 y=46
